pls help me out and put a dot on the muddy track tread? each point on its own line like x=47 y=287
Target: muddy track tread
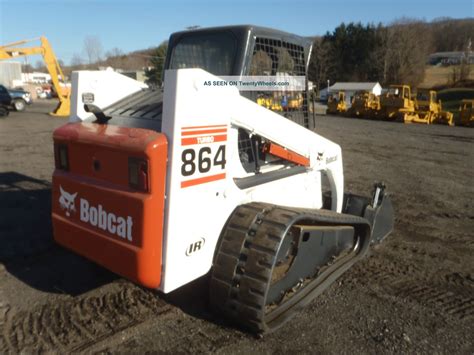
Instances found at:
x=450 y=294
x=246 y=256
x=71 y=325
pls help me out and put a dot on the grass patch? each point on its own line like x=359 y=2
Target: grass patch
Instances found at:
x=440 y=75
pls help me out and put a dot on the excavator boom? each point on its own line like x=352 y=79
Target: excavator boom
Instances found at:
x=11 y=51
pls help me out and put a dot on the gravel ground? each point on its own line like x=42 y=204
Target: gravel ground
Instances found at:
x=414 y=293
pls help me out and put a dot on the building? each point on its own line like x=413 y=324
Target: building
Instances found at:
x=10 y=74
x=36 y=78
x=323 y=94
x=450 y=58
x=351 y=88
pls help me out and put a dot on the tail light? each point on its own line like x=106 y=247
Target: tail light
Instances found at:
x=138 y=174
x=61 y=157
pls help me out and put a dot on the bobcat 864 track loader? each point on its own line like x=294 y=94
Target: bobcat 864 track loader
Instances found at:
x=163 y=188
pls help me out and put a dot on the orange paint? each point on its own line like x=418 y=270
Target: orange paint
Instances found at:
x=202 y=180
x=195 y=140
x=98 y=175
x=279 y=151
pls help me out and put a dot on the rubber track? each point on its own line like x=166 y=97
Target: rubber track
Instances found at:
x=245 y=257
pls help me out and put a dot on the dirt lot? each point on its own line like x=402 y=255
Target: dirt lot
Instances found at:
x=414 y=293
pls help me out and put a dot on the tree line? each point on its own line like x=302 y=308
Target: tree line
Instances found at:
x=396 y=53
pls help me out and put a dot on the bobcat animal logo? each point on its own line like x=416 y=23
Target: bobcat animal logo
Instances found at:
x=66 y=201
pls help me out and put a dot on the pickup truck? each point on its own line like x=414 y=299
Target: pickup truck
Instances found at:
x=5 y=101
x=19 y=98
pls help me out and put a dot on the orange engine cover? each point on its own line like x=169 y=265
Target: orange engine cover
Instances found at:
x=96 y=212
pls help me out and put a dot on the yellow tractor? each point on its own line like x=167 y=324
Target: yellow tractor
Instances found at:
x=429 y=110
x=337 y=104
x=365 y=104
x=295 y=102
x=264 y=101
x=466 y=113
x=397 y=104
x=359 y=104
x=270 y=103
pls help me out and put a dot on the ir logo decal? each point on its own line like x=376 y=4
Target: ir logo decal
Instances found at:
x=195 y=247
x=66 y=201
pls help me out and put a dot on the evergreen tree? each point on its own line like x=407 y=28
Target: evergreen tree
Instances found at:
x=155 y=73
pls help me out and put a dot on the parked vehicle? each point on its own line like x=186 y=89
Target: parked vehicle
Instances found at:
x=5 y=101
x=19 y=98
x=4 y=111
x=16 y=49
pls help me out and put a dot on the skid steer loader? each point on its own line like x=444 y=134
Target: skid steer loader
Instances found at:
x=163 y=187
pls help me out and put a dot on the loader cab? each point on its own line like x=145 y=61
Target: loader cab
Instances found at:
x=427 y=100
x=400 y=91
x=249 y=50
x=426 y=95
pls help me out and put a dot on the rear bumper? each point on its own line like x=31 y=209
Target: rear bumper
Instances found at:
x=125 y=245
x=120 y=257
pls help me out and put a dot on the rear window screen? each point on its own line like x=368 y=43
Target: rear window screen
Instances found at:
x=214 y=53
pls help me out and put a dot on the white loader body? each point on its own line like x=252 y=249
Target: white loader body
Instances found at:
x=201 y=125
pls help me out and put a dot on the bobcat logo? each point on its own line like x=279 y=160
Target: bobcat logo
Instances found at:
x=66 y=201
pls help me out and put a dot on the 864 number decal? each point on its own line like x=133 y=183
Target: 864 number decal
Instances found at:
x=201 y=160
x=203 y=155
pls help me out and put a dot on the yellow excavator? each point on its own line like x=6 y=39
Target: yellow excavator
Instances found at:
x=16 y=49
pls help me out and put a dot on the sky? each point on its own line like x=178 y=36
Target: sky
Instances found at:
x=131 y=25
